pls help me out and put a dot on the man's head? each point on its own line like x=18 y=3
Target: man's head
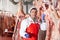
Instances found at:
x=46 y=6
x=33 y=12
x=41 y=9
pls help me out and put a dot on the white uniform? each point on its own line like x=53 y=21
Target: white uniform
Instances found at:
x=24 y=24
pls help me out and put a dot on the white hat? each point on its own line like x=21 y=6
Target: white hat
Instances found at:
x=31 y=8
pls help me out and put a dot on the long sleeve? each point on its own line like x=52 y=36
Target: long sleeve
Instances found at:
x=23 y=29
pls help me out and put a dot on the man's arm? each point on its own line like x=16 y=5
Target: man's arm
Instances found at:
x=23 y=29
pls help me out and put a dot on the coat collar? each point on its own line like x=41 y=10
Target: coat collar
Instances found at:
x=30 y=19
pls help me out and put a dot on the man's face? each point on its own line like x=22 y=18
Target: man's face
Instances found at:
x=33 y=13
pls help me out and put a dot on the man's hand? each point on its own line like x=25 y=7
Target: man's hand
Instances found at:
x=27 y=35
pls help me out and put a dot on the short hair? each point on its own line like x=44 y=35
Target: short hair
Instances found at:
x=41 y=8
x=33 y=9
x=47 y=6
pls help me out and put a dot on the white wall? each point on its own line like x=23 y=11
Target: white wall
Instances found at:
x=0 y=4
x=8 y=6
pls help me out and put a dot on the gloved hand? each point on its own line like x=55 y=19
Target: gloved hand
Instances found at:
x=27 y=35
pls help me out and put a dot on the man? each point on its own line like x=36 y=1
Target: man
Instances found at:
x=30 y=27
x=43 y=24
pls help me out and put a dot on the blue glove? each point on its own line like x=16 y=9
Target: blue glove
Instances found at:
x=27 y=35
